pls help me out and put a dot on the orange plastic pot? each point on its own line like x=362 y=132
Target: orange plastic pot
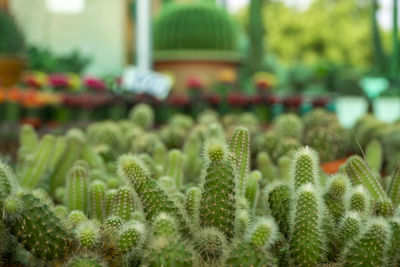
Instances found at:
x=332 y=167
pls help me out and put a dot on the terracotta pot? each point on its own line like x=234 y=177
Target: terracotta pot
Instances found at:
x=207 y=65
x=332 y=167
x=11 y=68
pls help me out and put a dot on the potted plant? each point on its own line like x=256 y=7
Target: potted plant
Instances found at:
x=386 y=107
x=12 y=60
x=195 y=38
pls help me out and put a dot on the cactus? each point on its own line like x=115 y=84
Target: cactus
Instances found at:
x=369 y=248
x=284 y=163
x=246 y=254
x=90 y=155
x=76 y=217
x=289 y=126
x=218 y=200
x=86 y=260
x=123 y=203
x=154 y=200
x=59 y=148
x=77 y=189
x=211 y=245
x=304 y=167
x=359 y=173
x=113 y=223
x=394 y=186
x=242 y=222
x=192 y=203
x=193 y=163
x=7 y=181
x=374 y=155
x=165 y=225
x=142 y=115
x=240 y=146
x=75 y=141
x=334 y=196
x=349 y=228
x=307 y=241
x=264 y=233
x=97 y=193
x=358 y=200
x=87 y=234
x=175 y=166
x=40 y=231
x=394 y=242
x=252 y=189
x=280 y=197
x=169 y=252
x=33 y=175
x=266 y=167
x=131 y=236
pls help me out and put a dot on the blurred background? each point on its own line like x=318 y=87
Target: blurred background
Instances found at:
x=65 y=61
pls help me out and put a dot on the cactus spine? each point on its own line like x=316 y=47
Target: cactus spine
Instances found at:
x=304 y=167
x=280 y=196
x=394 y=186
x=123 y=203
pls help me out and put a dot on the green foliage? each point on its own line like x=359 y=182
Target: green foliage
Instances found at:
x=178 y=28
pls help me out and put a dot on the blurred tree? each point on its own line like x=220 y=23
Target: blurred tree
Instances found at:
x=396 y=52
x=333 y=30
x=256 y=36
x=380 y=64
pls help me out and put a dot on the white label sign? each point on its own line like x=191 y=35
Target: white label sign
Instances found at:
x=149 y=82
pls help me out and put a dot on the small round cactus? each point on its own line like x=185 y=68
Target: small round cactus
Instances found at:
x=87 y=234
x=164 y=225
x=211 y=245
x=142 y=115
x=76 y=217
x=263 y=233
x=131 y=236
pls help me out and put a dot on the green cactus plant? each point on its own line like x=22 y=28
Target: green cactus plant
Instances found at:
x=97 y=191
x=142 y=115
x=123 y=203
x=394 y=186
x=307 y=240
x=174 y=169
x=304 y=167
x=218 y=200
x=374 y=155
x=239 y=145
x=77 y=189
x=131 y=236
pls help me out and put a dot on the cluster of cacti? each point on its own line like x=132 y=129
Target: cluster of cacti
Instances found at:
x=125 y=194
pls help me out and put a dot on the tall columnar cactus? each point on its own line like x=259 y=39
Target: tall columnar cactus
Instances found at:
x=154 y=200
x=211 y=245
x=123 y=203
x=359 y=173
x=252 y=189
x=192 y=203
x=393 y=252
x=218 y=200
x=40 y=231
x=280 y=197
x=97 y=191
x=90 y=155
x=304 y=167
x=165 y=225
x=109 y=200
x=7 y=181
x=131 y=236
x=77 y=189
x=284 y=164
x=374 y=155
x=307 y=240
x=394 y=186
x=174 y=166
x=34 y=174
x=28 y=142
x=358 y=200
x=266 y=167
x=369 y=249
x=142 y=115
x=242 y=222
x=239 y=145
x=335 y=195
x=75 y=141
x=59 y=148
x=193 y=163
x=349 y=228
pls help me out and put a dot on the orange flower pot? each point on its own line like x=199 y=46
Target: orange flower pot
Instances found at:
x=332 y=167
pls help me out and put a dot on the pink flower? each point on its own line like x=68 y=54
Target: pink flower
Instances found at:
x=194 y=83
x=95 y=84
x=58 y=80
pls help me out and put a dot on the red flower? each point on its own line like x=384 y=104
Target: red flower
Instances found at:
x=58 y=81
x=320 y=102
x=179 y=100
x=213 y=98
x=194 y=83
x=293 y=101
x=262 y=85
x=237 y=99
x=95 y=84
